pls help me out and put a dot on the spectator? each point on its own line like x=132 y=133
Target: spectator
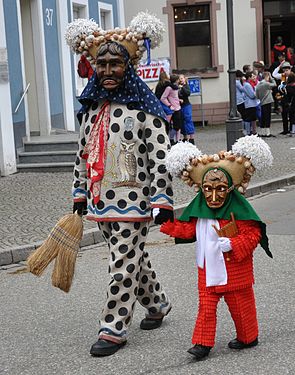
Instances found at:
x=275 y=93
x=247 y=68
x=258 y=68
x=250 y=105
x=188 y=128
x=240 y=95
x=291 y=101
x=278 y=49
x=170 y=99
x=164 y=81
x=264 y=94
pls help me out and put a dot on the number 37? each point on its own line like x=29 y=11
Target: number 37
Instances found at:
x=49 y=16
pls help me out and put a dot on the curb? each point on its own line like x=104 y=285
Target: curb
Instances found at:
x=93 y=236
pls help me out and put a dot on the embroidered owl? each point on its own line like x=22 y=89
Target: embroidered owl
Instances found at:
x=127 y=162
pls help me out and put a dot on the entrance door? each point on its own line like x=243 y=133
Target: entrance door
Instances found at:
x=30 y=68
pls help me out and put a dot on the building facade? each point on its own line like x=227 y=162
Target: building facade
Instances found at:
x=38 y=80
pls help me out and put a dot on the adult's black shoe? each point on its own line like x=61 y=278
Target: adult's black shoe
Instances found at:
x=149 y=323
x=236 y=344
x=104 y=348
x=199 y=351
x=284 y=133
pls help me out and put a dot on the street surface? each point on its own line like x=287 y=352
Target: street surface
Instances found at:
x=45 y=331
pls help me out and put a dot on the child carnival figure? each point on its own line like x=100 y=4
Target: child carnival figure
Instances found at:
x=227 y=231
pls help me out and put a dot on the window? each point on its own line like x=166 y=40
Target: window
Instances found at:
x=193 y=37
x=105 y=13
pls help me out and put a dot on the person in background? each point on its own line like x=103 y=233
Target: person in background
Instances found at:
x=240 y=96
x=264 y=94
x=188 y=128
x=275 y=92
x=290 y=88
x=170 y=99
x=164 y=81
x=258 y=68
x=279 y=48
x=246 y=68
x=250 y=105
x=282 y=73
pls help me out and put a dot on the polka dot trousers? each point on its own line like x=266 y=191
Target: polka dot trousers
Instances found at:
x=131 y=278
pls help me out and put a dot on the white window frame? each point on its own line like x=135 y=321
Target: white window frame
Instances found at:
x=107 y=8
x=80 y=83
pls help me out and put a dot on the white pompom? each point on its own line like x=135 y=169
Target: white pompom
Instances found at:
x=79 y=30
x=255 y=149
x=150 y=25
x=179 y=157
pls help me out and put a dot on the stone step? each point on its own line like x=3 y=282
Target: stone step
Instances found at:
x=46 y=167
x=41 y=157
x=50 y=145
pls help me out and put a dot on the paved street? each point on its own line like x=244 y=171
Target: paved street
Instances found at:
x=33 y=202
x=44 y=331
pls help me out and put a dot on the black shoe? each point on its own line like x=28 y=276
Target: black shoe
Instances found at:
x=283 y=133
x=103 y=348
x=200 y=351
x=148 y=323
x=236 y=344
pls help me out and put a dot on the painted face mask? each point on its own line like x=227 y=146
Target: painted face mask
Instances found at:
x=215 y=188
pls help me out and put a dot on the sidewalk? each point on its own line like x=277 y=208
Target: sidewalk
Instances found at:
x=33 y=202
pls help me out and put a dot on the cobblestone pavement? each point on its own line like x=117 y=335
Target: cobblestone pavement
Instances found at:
x=31 y=203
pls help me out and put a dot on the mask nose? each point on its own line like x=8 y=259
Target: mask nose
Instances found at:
x=214 y=195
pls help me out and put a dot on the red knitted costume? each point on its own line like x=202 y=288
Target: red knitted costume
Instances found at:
x=238 y=292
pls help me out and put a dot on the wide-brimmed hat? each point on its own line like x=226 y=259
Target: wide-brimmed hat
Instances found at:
x=286 y=65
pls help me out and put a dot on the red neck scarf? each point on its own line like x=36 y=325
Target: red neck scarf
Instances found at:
x=95 y=150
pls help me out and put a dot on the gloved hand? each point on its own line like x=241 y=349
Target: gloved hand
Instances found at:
x=81 y=207
x=224 y=244
x=161 y=215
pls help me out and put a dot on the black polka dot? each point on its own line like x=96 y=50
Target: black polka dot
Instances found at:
x=110 y=194
x=130 y=106
x=153 y=275
x=89 y=194
x=142 y=149
x=141 y=246
x=135 y=239
x=118 y=277
x=77 y=184
x=148 y=133
x=113 y=256
x=157 y=287
x=126 y=233
x=144 y=279
x=76 y=173
x=162 y=169
x=123 y=311
x=109 y=318
x=118 y=112
x=132 y=196
x=161 y=138
x=80 y=153
x=87 y=129
x=160 y=154
x=156 y=299
x=115 y=290
x=119 y=326
x=125 y=297
x=146 y=301
x=87 y=117
x=112 y=304
x=140 y=291
x=116 y=226
x=151 y=289
x=161 y=183
x=140 y=162
x=100 y=205
x=127 y=283
x=153 y=190
x=141 y=116
x=150 y=147
x=149 y=264
x=142 y=176
x=139 y=134
x=114 y=240
x=130 y=268
x=106 y=234
x=146 y=191
x=131 y=254
x=152 y=176
x=137 y=276
x=123 y=249
x=119 y=263
x=115 y=127
x=93 y=119
x=157 y=123
x=83 y=141
x=153 y=310
x=128 y=320
x=169 y=192
x=122 y=203
x=142 y=205
x=128 y=135
x=136 y=225
x=94 y=106
x=152 y=163
x=136 y=291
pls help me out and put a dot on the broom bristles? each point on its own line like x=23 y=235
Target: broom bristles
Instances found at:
x=63 y=243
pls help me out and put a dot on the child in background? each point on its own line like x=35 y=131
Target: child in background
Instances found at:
x=188 y=127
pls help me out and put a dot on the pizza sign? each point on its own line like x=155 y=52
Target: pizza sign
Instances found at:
x=152 y=72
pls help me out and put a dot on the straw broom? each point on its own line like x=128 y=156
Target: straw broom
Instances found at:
x=62 y=243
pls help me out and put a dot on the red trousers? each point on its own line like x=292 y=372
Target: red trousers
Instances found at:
x=241 y=304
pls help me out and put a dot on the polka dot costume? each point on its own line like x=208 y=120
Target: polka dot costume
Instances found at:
x=131 y=278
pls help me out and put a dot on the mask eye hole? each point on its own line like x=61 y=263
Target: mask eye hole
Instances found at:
x=207 y=188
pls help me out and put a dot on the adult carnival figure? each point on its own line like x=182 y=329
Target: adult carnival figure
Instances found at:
x=120 y=178
x=227 y=231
